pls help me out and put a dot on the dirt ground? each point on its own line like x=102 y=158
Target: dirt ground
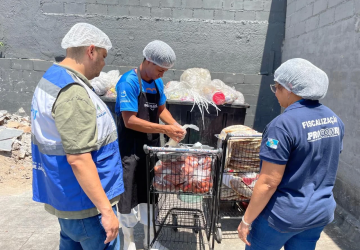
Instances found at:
x=15 y=176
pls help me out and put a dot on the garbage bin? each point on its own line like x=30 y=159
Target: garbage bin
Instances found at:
x=110 y=102
x=213 y=122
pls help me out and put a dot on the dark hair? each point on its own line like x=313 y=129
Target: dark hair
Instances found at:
x=77 y=53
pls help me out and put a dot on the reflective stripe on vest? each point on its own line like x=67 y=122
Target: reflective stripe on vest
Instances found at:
x=54 y=182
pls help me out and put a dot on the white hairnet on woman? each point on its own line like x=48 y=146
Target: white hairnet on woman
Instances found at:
x=160 y=53
x=302 y=78
x=84 y=34
x=292 y=200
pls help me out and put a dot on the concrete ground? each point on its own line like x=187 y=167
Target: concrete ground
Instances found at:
x=25 y=225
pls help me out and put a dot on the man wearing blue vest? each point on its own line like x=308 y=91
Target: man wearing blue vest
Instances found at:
x=77 y=171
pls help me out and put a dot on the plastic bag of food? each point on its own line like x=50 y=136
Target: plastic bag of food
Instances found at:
x=168 y=175
x=199 y=183
x=239 y=129
x=111 y=93
x=216 y=96
x=249 y=179
x=239 y=98
x=240 y=187
x=163 y=185
x=105 y=81
x=196 y=77
x=204 y=162
x=171 y=171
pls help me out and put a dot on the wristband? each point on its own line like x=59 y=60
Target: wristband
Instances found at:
x=246 y=224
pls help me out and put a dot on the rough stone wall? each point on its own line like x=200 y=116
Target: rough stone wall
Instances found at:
x=327 y=32
x=239 y=39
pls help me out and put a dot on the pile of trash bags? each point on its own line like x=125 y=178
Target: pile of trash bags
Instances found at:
x=104 y=84
x=196 y=86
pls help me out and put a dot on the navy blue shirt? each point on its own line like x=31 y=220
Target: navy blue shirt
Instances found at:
x=307 y=138
x=128 y=91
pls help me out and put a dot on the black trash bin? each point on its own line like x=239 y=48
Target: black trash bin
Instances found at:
x=110 y=102
x=213 y=122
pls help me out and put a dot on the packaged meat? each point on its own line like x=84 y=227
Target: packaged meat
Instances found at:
x=199 y=183
x=163 y=185
x=189 y=173
x=241 y=188
x=170 y=171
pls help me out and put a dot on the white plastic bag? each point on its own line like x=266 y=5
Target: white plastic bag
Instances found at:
x=105 y=81
x=173 y=143
x=196 y=77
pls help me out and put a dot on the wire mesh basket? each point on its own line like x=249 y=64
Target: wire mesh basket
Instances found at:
x=238 y=175
x=184 y=189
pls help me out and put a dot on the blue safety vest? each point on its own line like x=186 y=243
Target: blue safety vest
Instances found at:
x=54 y=182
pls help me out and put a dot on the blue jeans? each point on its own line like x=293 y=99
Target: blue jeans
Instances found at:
x=264 y=237
x=85 y=234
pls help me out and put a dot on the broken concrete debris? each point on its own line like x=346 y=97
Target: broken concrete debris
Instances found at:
x=15 y=134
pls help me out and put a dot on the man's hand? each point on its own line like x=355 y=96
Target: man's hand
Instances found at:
x=177 y=124
x=175 y=132
x=111 y=225
x=87 y=175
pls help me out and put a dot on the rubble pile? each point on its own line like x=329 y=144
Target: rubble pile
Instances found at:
x=15 y=134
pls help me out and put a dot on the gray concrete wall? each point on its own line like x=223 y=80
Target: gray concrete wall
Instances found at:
x=327 y=32
x=235 y=39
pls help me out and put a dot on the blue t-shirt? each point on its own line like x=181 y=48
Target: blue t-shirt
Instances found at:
x=128 y=91
x=307 y=137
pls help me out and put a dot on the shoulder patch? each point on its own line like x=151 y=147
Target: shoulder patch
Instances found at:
x=272 y=143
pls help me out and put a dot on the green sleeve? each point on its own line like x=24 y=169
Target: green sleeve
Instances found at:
x=75 y=119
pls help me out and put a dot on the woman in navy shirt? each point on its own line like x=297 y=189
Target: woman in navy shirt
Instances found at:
x=292 y=200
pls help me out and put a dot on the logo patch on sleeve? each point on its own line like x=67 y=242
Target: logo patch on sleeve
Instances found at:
x=272 y=143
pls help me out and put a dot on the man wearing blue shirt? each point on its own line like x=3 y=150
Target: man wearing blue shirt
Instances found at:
x=139 y=105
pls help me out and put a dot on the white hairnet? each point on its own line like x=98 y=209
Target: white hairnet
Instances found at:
x=160 y=53
x=84 y=34
x=302 y=78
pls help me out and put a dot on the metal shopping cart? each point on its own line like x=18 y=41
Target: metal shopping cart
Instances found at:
x=184 y=191
x=239 y=171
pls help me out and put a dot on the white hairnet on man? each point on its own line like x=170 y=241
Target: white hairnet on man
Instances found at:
x=160 y=53
x=84 y=34
x=302 y=78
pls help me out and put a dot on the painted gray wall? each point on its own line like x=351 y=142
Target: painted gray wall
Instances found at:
x=327 y=33
x=234 y=39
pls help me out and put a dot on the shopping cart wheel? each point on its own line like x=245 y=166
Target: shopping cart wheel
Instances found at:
x=218 y=235
x=196 y=223
x=175 y=222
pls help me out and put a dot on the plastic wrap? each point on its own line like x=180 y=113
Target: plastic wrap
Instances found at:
x=198 y=78
x=105 y=81
x=173 y=143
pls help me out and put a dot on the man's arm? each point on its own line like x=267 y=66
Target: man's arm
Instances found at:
x=137 y=124
x=165 y=115
x=86 y=174
x=270 y=177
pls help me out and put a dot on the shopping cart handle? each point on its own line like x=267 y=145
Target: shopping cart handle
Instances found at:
x=181 y=150
x=243 y=135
